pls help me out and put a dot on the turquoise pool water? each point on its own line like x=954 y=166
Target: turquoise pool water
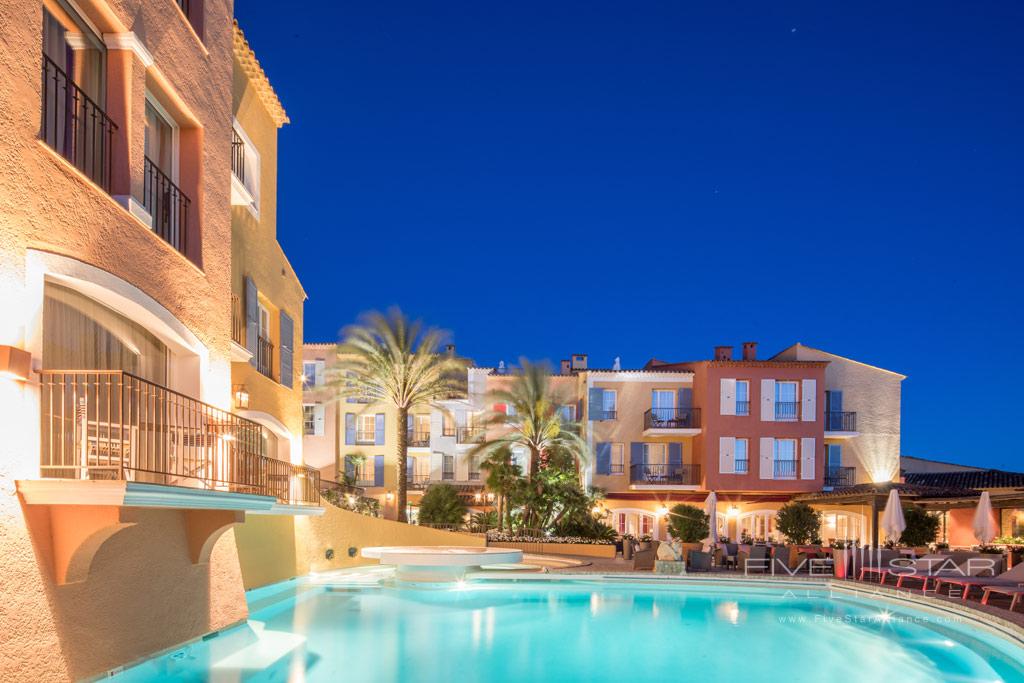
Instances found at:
x=496 y=632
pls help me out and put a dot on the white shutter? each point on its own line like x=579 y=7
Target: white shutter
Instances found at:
x=726 y=455
x=462 y=467
x=436 y=422
x=728 y=397
x=436 y=463
x=810 y=400
x=807 y=457
x=767 y=400
x=767 y=457
x=318 y=374
x=318 y=419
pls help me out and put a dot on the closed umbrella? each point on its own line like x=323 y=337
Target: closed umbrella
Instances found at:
x=711 y=508
x=984 y=528
x=893 y=523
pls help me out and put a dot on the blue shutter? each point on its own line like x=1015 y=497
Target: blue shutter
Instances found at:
x=350 y=429
x=596 y=399
x=833 y=455
x=636 y=453
x=287 y=344
x=604 y=458
x=408 y=468
x=252 y=319
x=378 y=429
x=579 y=409
x=378 y=470
x=675 y=456
x=685 y=399
x=350 y=467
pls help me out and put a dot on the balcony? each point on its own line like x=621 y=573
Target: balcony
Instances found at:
x=741 y=466
x=167 y=205
x=265 y=356
x=470 y=434
x=840 y=476
x=417 y=482
x=75 y=126
x=237 y=156
x=840 y=424
x=742 y=408
x=663 y=474
x=419 y=438
x=785 y=469
x=671 y=421
x=787 y=411
x=109 y=425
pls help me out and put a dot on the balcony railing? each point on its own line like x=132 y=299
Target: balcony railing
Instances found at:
x=265 y=356
x=839 y=476
x=112 y=425
x=617 y=468
x=237 y=155
x=743 y=407
x=75 y=126
x=366 y=437
x=741 y=466
x=448 y=475
x=603 y=415
x=237 y=320
x=447 y=430
x=470 y=434
x=785 y=469
x=419 y=438
x=839 y=421
x=663 y=473
x=672 y=418
x=474 y=476
x=787 y=410
x=166 y=204
x=417 y=482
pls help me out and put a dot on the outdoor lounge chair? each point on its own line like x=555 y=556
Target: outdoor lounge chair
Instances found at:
x=876 y=562
x=1015 y=592
x=1012 y=578
x=955 y=565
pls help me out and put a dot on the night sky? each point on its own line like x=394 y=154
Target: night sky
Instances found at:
x=653 y=179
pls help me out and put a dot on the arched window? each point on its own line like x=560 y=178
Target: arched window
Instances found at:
x=841 y=525
x=759 y=525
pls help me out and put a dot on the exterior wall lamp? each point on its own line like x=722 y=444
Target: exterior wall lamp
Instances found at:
x=241 y=397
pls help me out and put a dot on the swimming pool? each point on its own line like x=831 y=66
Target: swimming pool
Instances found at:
x=498 y=631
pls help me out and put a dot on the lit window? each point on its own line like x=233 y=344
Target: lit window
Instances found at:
x=309 y=419
x=618 y=461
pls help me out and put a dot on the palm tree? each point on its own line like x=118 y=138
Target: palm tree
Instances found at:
x=387 y=358
x=502 y=476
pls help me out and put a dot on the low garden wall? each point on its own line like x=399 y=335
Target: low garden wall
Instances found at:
x=581 y=549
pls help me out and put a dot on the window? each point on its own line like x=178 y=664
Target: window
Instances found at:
x=758 y=525
x=568 y=413
x=1016 y=521
x=618 y=462
x=364 y=470
x=742 y=397
x=786 y=405
x=264 y=322
x=654 y=454
x=663 y=404
x=785 y=458
x=161 y=139
x=447 y=425
x=312 y=374
x=308 y=419
x=741 y=461
x=245 y=166
x=610 y=404
x=448 y=467
x=366 y=428
x=843 y=526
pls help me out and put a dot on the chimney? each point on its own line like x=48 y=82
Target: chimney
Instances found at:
x=723 y=353
x=450 y=349
x=749 y=350
x=501 y=368
x=617 y=364
x=566 y=367
x=579 y=361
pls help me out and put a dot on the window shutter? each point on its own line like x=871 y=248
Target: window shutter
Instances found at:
x=378 y=470
x=807 y=448
x=636 y=453
x=675 y=456
x=604 y=458
x=350 y=429
x=287 y=332
x=318 y=419
x=768 y=456
x=727 y=403
x=767 y=400
x=727 y=455
x=408 y=422
x=684 y=399
x=409 y=466
x=252 y=319
x=350 y=467
x=462 y=467
x=809 y=406
x=596 y=399
x=378 y=429
x=579 y=409
x=318 y=375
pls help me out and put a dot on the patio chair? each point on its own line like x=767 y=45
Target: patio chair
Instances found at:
x=756 y=560
x=983 y=578
x=645 y=559
x=698 y=561
x=730 y=554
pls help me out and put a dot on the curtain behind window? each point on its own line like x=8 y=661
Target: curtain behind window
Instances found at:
x=80 y=333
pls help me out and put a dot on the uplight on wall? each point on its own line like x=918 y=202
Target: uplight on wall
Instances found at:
x=389 y=496
x=15 y=363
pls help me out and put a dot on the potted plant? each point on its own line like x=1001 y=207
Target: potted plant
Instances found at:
x=627 y=546
x=645 y=542
x=842 y=553
x=688 y=524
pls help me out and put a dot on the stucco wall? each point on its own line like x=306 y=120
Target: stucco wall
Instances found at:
x=274 y=549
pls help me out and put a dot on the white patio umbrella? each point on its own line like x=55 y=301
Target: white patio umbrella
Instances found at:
x=893 y=523
x=711 y=508
x=984 y=528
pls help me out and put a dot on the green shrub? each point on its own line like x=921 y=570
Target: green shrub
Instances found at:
x=688 y=523
x=441 y=504
x=798 y=522
x=922 y=527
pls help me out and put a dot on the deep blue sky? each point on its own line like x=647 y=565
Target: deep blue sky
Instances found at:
x=652 y=179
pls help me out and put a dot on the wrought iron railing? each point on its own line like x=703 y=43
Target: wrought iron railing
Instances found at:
x=75 y=126
x=470 y=434
x=237 y=320
x=743 y=407
x=237 y=155
x=112 y=425
x=617 y=468
x=417 y=482
x=741 y=466
x=366 y=437
x=787 y=410
x=447 y=430
x=265 y=356
x=672 y=418
x=167 y=205
x=664 y=473
x=418 y=438
x=840 y=421
x=840 y=476
x=785 y=469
